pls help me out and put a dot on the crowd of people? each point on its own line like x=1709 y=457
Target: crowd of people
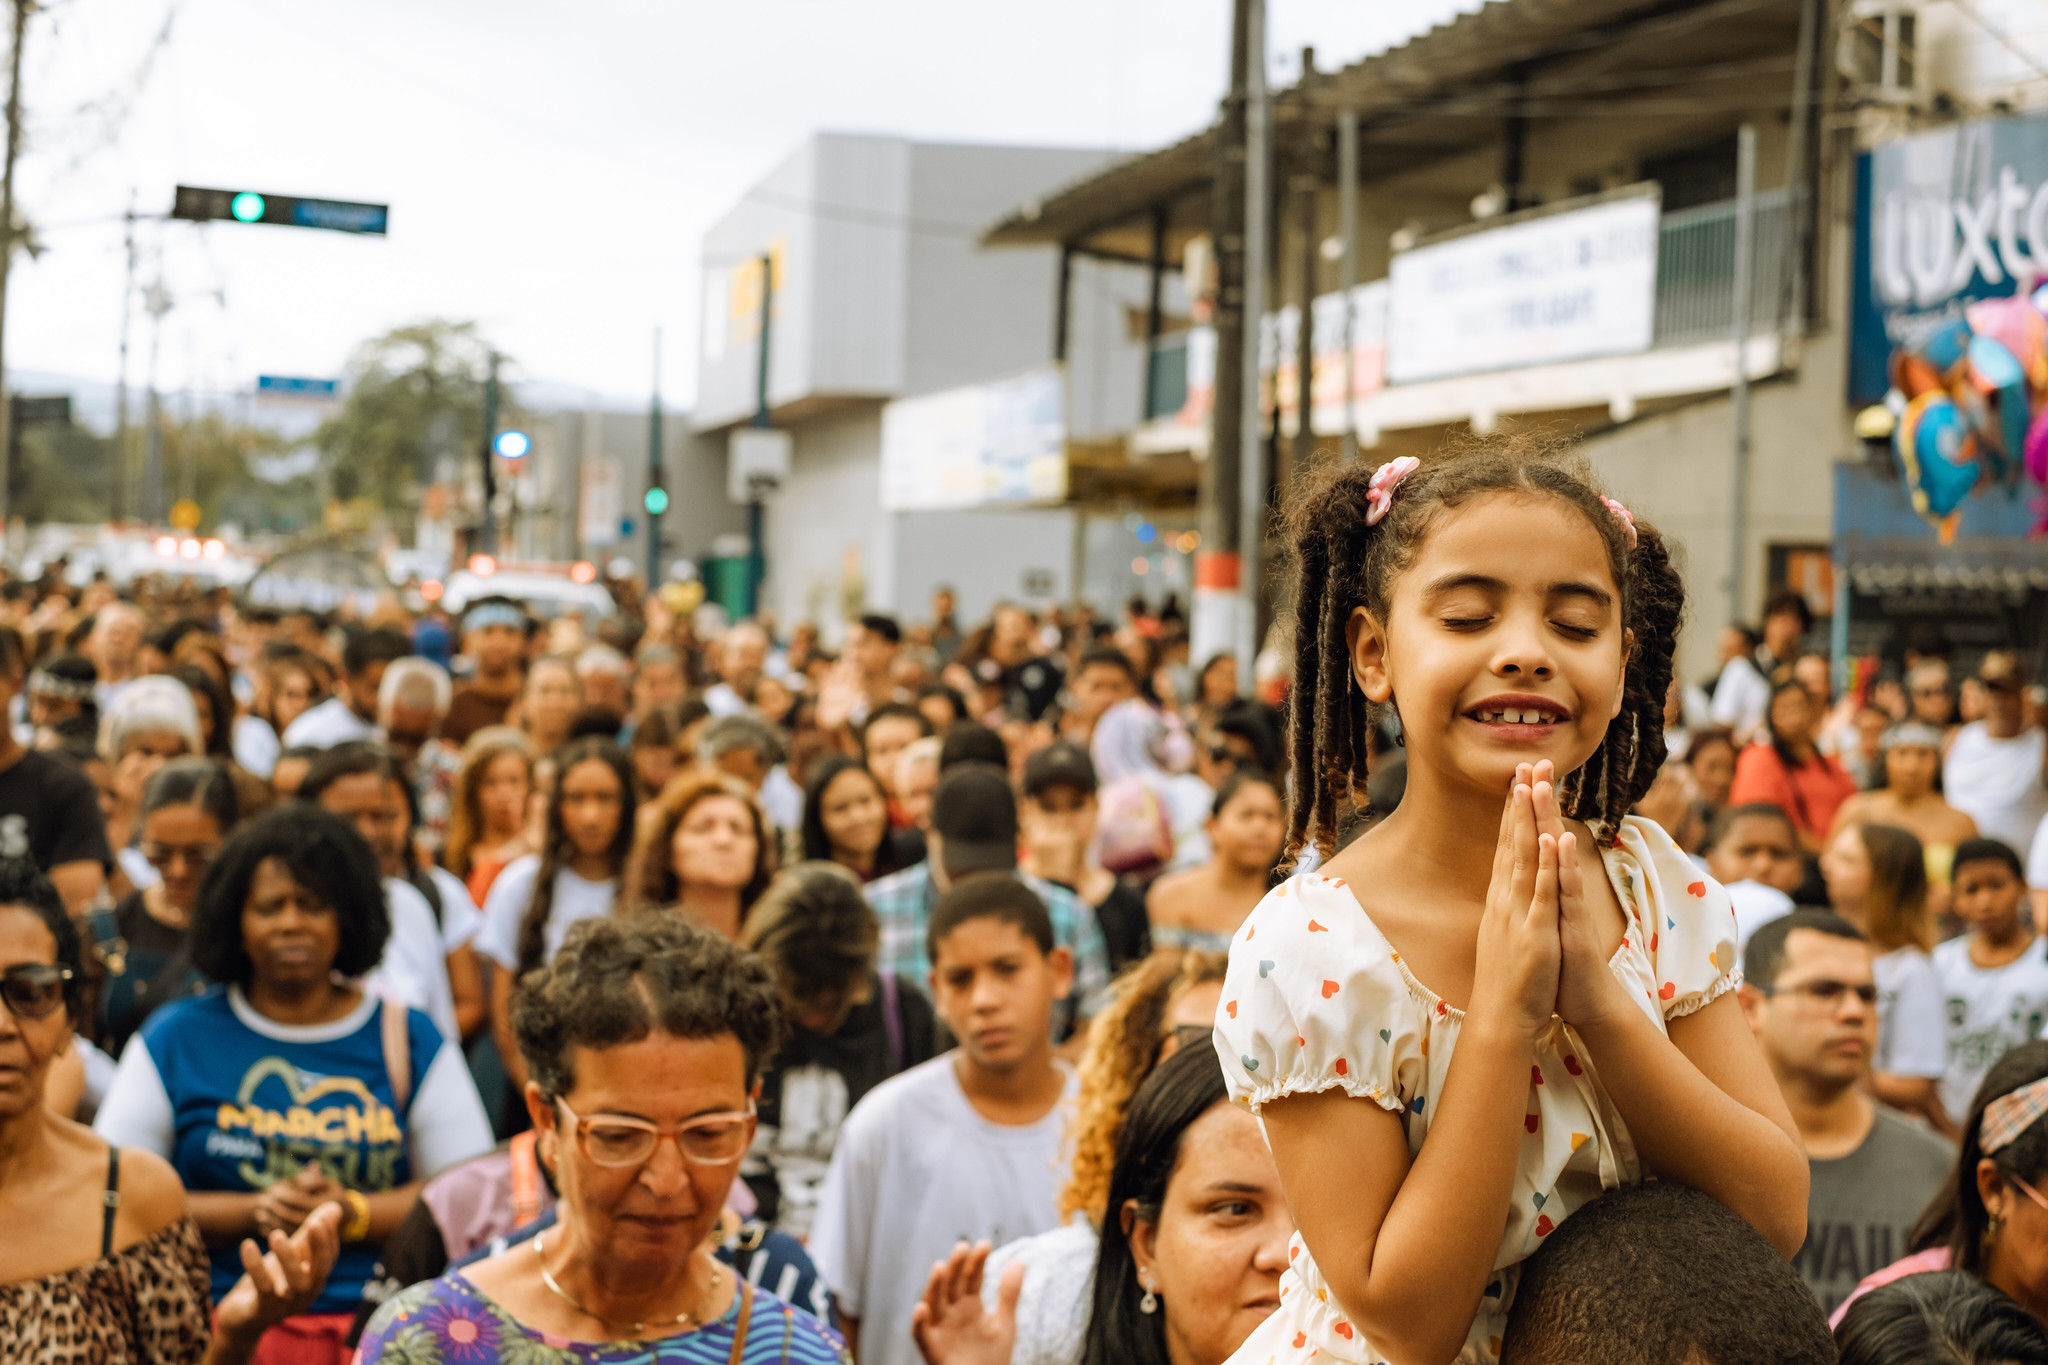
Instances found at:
x=1467 y=987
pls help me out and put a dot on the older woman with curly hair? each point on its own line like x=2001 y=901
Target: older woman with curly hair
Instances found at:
x=645 y=1039
x=1163 y=1004
x=704 y=847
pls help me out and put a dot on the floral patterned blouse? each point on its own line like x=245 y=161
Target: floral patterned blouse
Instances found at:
x=450 y=1322
x=1317 y=999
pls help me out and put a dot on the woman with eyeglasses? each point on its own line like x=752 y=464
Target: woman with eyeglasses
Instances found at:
x=102 y=1260
x=143 y=945
x=644 y=1038
x=288 y=1086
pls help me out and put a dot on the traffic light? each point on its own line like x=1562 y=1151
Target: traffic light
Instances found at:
x=512 y=445
x=252 y=206
x=657 y=501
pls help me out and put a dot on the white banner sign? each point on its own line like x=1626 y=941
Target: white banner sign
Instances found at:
x=984 y=445
x=597 y=502
x=1559 y=287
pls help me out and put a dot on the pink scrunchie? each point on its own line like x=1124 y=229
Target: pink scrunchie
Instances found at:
x=1379 y=494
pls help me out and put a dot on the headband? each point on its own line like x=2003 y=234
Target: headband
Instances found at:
x=2006 y=1117
x=494 y=614
x=43 y=683
x=1913 y=734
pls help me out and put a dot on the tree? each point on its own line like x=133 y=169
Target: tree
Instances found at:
x=413 y=414
x=225 y=467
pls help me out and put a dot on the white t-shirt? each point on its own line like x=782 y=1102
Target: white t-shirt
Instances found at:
x=505 y=909
x=1755 y=906
x=326 y=725
x=1742 y=698
x=1991 y=1010
x=2037 y=858
x=917 y=1170
x=1997 y=782
x=1912 y=1030
x=460 y=918
x=255 y=744
x=414 y=969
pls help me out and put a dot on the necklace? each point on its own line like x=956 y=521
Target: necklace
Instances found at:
x=681 y=1319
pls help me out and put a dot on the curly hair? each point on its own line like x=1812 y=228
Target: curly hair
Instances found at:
x=651 y=878
x=818 y=934
x=1123 y=1045
x=1341 y=562
x=325 y=855
x=617 y=980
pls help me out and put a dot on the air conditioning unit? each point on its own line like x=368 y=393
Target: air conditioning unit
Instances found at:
x=1877 y=51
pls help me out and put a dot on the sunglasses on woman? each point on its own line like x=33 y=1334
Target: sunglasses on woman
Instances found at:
x=615 y=1140
x=33 y=990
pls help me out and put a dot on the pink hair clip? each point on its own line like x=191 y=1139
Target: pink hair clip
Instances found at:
x=1379 y=494
x=1626 y=518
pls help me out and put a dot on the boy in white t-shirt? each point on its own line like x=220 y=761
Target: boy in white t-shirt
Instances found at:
x=1995 y=977
x=966 y=1147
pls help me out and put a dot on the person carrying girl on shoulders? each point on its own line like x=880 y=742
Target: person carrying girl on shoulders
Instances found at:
x=1509 y=995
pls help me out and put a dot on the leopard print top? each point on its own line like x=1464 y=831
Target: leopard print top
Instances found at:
x=143 y=1305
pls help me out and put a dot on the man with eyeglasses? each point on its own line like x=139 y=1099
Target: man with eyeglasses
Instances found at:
x=1811 y=999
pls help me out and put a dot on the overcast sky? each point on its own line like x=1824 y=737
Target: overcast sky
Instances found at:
x=549 y=167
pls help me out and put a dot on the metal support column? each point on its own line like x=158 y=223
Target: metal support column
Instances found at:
x=1347 y=280
x=1745 y=252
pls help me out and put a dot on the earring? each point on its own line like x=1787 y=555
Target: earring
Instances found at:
x=1150 y=1303
x=1991 y=1229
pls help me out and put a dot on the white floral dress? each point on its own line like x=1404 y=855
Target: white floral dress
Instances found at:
x=1317 y=999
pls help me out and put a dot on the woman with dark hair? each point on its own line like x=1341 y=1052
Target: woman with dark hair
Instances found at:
x=143 y=945
x=1877 y=880
x=1790 y=771
x=1992 y=1220
x=102 y=1261
x=645 y=1038
x=1194 y=1240
x=1203 y=907
x=575 y=876
x=846 y=819
x=853 y=1028
x=1944 y=1316
x=704 y=848
x=1712 y=757
x=287 y=1086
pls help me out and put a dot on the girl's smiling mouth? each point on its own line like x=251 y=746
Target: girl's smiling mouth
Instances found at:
x=1519 y=715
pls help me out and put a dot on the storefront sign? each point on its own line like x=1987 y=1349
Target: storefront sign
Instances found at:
x=1942 y=218
x=983 y=445
x=1559 y=286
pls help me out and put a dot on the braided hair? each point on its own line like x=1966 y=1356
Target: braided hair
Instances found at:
x=1341 y=562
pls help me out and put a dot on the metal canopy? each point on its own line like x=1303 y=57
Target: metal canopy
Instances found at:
x=1677 y=70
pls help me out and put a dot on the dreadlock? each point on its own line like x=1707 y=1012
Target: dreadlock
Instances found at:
x=1340 y=563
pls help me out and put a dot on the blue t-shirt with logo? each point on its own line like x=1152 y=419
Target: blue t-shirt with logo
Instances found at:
x=252 y=1108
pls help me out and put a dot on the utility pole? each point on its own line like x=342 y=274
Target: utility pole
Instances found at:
x=755 y=559
x=117 y=491
x=487 y=534
x=21 y=13
x=1218 y=569
x=1258 y=215
x=1745 y=251
x=1347 y=280
x=654 y=479
x=156 y=301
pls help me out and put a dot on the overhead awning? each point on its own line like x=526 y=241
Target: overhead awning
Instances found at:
x=1885 y=546
x=1691 y=68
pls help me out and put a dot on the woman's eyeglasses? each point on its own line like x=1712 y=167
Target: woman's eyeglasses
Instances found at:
x=33 y=990
x=614 y=1140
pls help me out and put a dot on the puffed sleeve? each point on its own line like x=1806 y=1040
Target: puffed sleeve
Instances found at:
x=1685 y=917
x=1316 y=999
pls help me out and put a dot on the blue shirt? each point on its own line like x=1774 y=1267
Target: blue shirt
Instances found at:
x=237 y=1102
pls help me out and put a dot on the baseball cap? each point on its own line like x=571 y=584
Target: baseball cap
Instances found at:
x=974 y=813
x=1057 y=763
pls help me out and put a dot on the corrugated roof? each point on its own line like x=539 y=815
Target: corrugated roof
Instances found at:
x=1447 y=92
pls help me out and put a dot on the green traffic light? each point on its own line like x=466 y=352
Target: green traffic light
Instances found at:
x=246 y=206
x=657 y=501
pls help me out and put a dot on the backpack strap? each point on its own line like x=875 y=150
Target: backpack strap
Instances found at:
x=892 y=1018
x=397 y=1054
x=739 y=1331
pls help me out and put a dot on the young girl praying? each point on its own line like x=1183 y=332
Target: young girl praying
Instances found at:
x=1509 y=995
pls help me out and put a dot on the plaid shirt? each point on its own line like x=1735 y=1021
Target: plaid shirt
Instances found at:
x=903 y=902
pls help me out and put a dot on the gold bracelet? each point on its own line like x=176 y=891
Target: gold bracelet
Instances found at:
x=357 y=1225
